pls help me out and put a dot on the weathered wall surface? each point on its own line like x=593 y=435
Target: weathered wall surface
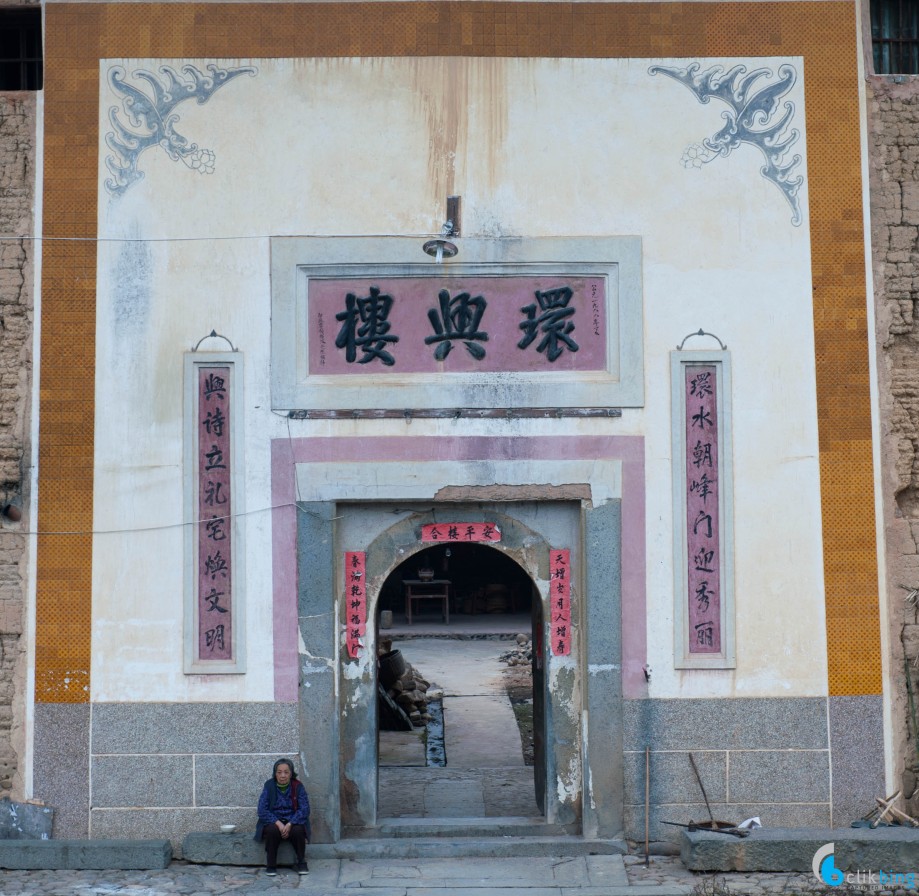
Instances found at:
x=17 y=178
x=894 y=158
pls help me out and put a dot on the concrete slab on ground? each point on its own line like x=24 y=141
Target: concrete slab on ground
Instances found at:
x=415 y=792
x=792 y=849
x=402 y=748
x=85 y=854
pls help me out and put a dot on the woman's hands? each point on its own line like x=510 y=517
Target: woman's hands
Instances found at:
x=284 y=828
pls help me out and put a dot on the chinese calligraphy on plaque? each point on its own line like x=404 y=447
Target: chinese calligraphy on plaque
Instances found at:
x=703 y=555
x=215 y=514
x=560 y=602
x=471 y=532
x=458 y=324
x=355 y=596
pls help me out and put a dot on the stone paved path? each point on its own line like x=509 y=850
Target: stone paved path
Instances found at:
x=582 y=876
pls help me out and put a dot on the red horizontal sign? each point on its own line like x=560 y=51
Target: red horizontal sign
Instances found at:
x=411 y=325
x=461 y=532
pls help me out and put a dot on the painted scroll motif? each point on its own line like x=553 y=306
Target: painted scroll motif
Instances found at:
x=355 y=601
x=703 y=555
x=560 y=602
x=215 y=512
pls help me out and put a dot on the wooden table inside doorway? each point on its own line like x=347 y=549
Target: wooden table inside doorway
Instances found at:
x=431 y=589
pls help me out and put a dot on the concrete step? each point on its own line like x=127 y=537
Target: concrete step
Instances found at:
x=515 y=826
x=890 y=849
x=241 y=849
x=85 y=855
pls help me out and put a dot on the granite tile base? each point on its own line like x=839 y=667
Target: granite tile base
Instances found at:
x=141 y=824
x=857 y=739
x=61 y=765
x=801 y=815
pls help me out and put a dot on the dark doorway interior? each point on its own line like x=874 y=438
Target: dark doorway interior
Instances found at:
x=482 y=580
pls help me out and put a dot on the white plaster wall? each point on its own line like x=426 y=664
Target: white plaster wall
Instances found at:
x=536 y=148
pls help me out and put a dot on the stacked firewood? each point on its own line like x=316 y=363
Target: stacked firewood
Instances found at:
x=410 y=693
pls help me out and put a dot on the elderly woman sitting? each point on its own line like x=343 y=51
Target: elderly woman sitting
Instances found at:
x=284 y=814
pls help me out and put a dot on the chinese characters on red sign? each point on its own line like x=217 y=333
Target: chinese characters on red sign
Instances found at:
x=703 y=552
x=460 y=532
x=560 y=602
x=355 y=601
x=457 y=324
x=215 y=515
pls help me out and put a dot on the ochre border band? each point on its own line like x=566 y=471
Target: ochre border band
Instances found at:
x=78 y=35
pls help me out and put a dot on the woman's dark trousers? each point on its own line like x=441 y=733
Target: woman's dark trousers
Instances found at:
x=272 y=838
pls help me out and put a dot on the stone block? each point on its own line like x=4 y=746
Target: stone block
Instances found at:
x=857 y=735
x=232 y=780
x=143 y=823
x=80 y=855
x=61 y=774
x=886 y=205
x=787 y=776
x=772 y=815
x=910 y=202
x=142 y=781
x=238 y=848
x=767 y=723
x=195 y=728
x=672 y=778
x=792 y=849
x=25 y=821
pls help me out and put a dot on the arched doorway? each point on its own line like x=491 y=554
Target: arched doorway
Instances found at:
x=461 y=722
x=390 y=534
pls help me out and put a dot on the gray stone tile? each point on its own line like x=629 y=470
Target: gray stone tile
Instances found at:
x=606 y=871
x=455 y=799
x=570 y=872
x=772 y=815
x=142 y=824
x=857 y=738
x=793 y=776
x=474 y=888
x=231 y=780
x=672 y=777
x=142 y=781
x=264 y=728
x=61 y=765
x=773 y=723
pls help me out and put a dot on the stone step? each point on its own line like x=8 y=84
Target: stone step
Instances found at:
x=516 y=826
x=85 y=855
x=887 y=849
x=241 y=849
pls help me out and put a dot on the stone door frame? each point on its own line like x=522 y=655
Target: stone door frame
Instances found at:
x=329 y=475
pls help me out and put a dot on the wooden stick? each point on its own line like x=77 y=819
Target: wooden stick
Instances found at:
x=893 y=810
x=885 y=806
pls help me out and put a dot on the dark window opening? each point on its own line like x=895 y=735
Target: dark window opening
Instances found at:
x=20 y=49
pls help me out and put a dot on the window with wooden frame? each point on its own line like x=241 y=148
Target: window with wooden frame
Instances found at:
x=895 y=36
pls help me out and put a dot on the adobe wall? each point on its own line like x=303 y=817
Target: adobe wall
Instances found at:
x=893 y=115
x=17 y=182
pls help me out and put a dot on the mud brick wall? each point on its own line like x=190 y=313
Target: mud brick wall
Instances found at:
x=893 y=116
x=17 y=180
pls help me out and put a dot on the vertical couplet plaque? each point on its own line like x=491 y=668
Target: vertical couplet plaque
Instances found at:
x=213 y=608
x=355 y=601
x=703 y=522
x=560 y=602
